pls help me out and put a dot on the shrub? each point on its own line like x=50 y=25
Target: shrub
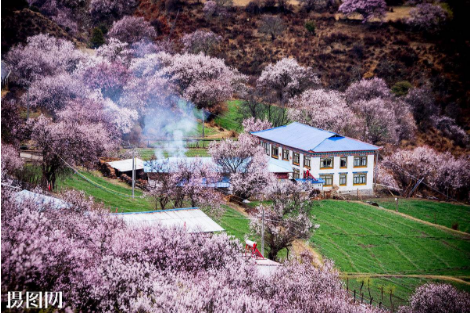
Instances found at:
x=310 y=27
x=97 y=38
x=427 y=17
x=401 y=88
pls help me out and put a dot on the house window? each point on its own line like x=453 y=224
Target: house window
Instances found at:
x=275 y=152
x=328 y=179
x=326 y=163
x=265 y=145
x=285 y=154
x=360 y=179
x=342 y=179
x=296 y=173
x=360 y=161
x=343 y=162
x=307 y=161
x=296 y=158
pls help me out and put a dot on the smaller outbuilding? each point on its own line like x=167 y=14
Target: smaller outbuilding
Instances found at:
x=192 y=220
x=42 y=201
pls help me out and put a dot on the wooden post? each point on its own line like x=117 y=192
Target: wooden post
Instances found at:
x=396 y=201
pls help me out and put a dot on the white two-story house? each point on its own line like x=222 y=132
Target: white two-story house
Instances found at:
x=316 y=153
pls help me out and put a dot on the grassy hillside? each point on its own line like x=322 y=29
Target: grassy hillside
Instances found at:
x=361 y=238
x=109 y=193
x=441 y=213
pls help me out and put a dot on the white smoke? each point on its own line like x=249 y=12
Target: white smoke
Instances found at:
x=168 y=127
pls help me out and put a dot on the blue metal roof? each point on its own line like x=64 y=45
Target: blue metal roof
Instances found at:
x=307 y=138
x=311 y=180
x=171 y=164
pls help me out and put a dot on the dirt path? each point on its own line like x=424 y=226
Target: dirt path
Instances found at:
x=237 y=207
x=299 y=246
x=436 y=277
x=441 y=227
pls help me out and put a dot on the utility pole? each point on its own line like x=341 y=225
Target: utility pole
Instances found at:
x=132 y=173
x=263 y=229
x=27 y=104
x=203 y=123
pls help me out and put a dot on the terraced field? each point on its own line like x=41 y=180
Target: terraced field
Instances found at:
x=442 y=213
x=362 y=238
x=393 y=251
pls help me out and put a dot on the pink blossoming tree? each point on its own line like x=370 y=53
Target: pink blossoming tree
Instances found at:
x=255 y=124
x=369 y=9
x=287 y=219
x=42 y=56
x=438 y=298
x=246 y=163
x=427 y=16
x=201 y=41
x=131 y=29
x=440 y=170
x=326 y=110
x=102 y=265
x=365 y=90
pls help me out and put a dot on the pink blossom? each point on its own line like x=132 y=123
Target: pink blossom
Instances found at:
x=131 y=29
x=325 y=110
x=201 y=41
x=438 y=298
x=367 y=8
x=286 y=79
x=365 y=90
x=252 y=124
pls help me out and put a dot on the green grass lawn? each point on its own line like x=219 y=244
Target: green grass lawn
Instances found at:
x=234 y=223
x=441 y=213
x=232 y=118
x=402 y=289
x=109 y=199
x=363 y=238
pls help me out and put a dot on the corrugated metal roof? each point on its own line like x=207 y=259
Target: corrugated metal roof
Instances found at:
x=40 y=200
x=279 y=166
x=171 y=164
x=307 y=138
x=193 y=220
x=127 y=165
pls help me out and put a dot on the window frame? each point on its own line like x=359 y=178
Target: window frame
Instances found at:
x=360 y=158
x=360 y=175
x=341 y=159
x=345 y=177
x=283 y=153
x=328 y=167
x=298 y=158
x=266 y=147
x=307 y=159
x=274 y=147
x=296 y=171
x=322 y=176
